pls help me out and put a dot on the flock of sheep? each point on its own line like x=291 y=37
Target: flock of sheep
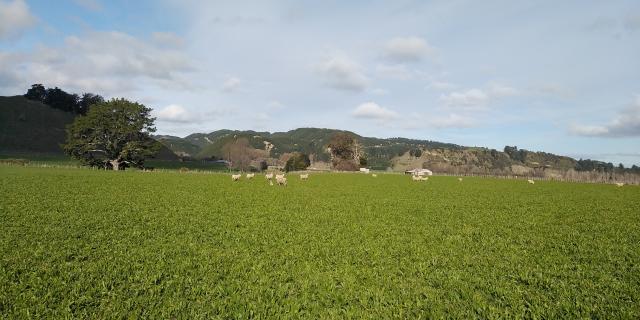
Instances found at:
x=281 y=180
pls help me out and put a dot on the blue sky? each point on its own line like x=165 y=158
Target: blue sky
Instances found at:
x=555 y=76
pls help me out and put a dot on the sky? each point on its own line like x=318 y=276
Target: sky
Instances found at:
x=554 y=76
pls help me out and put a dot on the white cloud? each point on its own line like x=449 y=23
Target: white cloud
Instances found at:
x=92 y=5
x=625 y=124
x=169 y=39
x=275 y=105
x=407 y=49
x=15 y=17
x=371 y=110
x=452 y=120
x=469 y=98
x=174 y=113
x=441 y=85
x=108 y=63
x=342 y=73
x=478 y=98
x=231 y=84
x=497 y=90
x=396 y=71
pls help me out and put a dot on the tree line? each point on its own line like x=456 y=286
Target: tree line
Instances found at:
x=62 y=100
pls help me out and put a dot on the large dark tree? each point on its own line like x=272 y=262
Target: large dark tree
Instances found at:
x=86 y=101
x=37 y=92
x=113 y=134
x=298 y=161
x=345 y=151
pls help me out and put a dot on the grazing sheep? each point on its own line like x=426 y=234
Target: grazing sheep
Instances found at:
x=424 y=178
x=416 y=178
x=268 y=176
x=459 y=179
x=250 y=175
x=374 y=175
x=281 y=181
x=236 y=177
x=279 y=176
x=531 y=181
x=619 y=184
x=304 y=176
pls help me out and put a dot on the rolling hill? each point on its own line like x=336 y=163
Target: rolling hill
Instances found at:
x=31 y=127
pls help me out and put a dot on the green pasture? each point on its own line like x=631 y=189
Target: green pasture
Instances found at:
x=78 y=243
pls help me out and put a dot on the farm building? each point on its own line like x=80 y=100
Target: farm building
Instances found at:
x=419 y=172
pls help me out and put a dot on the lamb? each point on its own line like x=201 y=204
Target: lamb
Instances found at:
x=531 y=181
x=236 y=177
x=281 y=180
x=619 y=184
x=304 y=176
x=250 y=175
x=416 y=178
x=268 y=176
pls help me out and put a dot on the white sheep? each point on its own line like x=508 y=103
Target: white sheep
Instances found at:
x=531 y=181
x=281 y=180
x=424 y=178
x=374 y=175
x=459 y=179
x=304 y=176
x=250 y=175
x=619 y=184
x=236 y=177
x=279 y=176
x=268 y=176
x=416 y=178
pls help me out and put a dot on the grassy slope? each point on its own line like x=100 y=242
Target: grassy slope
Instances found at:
x=30 y=126
x=166 y=245
x=32 y=130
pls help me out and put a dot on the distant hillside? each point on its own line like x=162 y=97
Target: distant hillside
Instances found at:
x=28 y=126
x=312 y=141
x=395 y=153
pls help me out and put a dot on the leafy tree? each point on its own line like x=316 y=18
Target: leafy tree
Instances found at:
x=345 y=149
x=113 y=134
x=298 y=161
x=239 y=152
x=86 y=101
x=417 y=152
x=37 y=92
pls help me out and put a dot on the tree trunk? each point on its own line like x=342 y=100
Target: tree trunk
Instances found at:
x=115 y=164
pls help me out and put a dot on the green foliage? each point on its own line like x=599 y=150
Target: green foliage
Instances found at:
x=112 y=133
x=61 y=100
x=336 y=246
x=298 y=161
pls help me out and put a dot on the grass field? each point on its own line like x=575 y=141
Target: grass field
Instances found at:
x=77 y=243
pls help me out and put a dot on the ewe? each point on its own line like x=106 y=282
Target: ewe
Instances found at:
x=281 y=180
x=416 y=178
x=619 y=184
x=531 y=181
x=279 y=176
x=236 y=177
x=250 y=175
